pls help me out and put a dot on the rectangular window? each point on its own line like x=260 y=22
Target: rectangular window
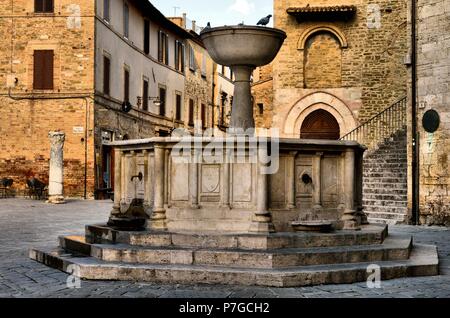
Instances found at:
x=146 y=36
x=179 y=56
x=192 y=65
x=106 y=10
x=145 y=95
x=126 y=85
x=178 y=107
x=223 y=102
x=43 y=69
x=261 y=108
x=162 y=99
x=126 y=19
x=204 y=123
x=204 y=65
x=43 y=6
x=163 y=48
x=106 y=75
x=191 y=112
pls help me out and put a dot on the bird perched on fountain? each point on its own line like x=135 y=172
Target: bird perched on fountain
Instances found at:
x=264 y=21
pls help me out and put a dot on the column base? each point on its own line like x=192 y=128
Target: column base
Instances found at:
x=127 y=224
x=262 y=223
x=158 y=221
x=350 y=221
x=56 y=199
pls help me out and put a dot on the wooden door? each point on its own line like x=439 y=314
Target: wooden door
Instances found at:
x=320 y=124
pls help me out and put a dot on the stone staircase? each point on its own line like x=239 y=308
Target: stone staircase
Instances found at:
x=385 y=186
x=278 y=260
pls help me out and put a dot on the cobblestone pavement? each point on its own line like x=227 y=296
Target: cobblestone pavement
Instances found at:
x=26 y=223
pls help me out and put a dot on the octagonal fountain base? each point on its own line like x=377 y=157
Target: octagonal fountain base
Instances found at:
x=278 y=260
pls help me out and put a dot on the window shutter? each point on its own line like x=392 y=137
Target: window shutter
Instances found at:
x=162 y=98
x=183 y=58
x=160 y=48
x=146 y=36
x=106 y=75
x=177 y=59
x=145 y=96
x=166 y=43
x=48 y=7
x=43 y=69
x=126 y=86
x=38 y=5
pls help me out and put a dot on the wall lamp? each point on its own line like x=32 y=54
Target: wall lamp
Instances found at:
x=156 y=101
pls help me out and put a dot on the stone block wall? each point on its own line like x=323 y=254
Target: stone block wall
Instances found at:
x=371 y=46
x=433 y=89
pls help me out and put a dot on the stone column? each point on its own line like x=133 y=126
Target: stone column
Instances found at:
x=158 y=220
x=56 y=173
x=349 y=217
x=226 y=181
x=242 y=111
x=362 y=217
x=262 y=220
x=194 y=179
x=317 y=182
x=117 y=182
x=291 y=180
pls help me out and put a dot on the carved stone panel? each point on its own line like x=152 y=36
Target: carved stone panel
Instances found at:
x=330 y=182
x=179 y=182
x=242 y=185
x=278 y=186
x=210 y=183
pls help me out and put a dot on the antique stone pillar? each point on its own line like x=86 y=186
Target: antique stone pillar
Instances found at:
x=56 y=172
x=291 y=180
x=349 y=218
x=317 y=182
x=262 y=220
x=117 y=182
x=242 y=110
x=158 y=220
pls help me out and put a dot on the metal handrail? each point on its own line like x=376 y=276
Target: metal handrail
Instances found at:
x=381 y=126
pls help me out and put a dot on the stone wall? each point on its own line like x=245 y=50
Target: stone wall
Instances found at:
x=25 y=147
x=433 y=62
x=372 y=73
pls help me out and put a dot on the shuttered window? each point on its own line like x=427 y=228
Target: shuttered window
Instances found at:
x=126 y=85
x=179 y=56
x=106 y=10
x=163 y=48
x=204 y=123
x=43 y=69
x=145 y=95
x=162 y=99
x=192 y=64
x=191 y=112
x=43 y=6
x=146 y=36
x=106 y=75
x=126 y=19
x=178 y=107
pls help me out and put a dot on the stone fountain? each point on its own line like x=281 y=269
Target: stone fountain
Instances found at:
x=216 y=210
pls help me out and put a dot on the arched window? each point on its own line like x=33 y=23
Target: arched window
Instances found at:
x=320 y=124
x=322 y=61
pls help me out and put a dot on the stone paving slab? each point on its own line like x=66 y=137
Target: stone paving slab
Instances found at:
x=26 y=223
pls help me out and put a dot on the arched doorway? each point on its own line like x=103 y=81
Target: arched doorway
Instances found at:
x=320 y=124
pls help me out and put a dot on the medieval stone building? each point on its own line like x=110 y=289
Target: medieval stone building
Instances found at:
x=99 y=71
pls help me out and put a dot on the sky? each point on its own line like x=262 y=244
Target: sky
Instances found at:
x=218 y=12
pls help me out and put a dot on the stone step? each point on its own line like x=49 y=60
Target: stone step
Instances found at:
x=422 y=262
x=385 y=161
x=399 y=204
x=378 y=165
x=374 y=220
x=380 y=214
x=377 y=185
x=386 y=192
x=383 y=170
x=385 y=197
x=394 y=248
x=386 y=211
x=369 y=235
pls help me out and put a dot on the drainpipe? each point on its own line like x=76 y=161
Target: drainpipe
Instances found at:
x=414 y=128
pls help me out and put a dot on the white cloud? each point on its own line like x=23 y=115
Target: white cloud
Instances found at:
x=244 y=7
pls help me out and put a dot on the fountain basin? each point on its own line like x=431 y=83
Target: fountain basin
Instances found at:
x=243 y=45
